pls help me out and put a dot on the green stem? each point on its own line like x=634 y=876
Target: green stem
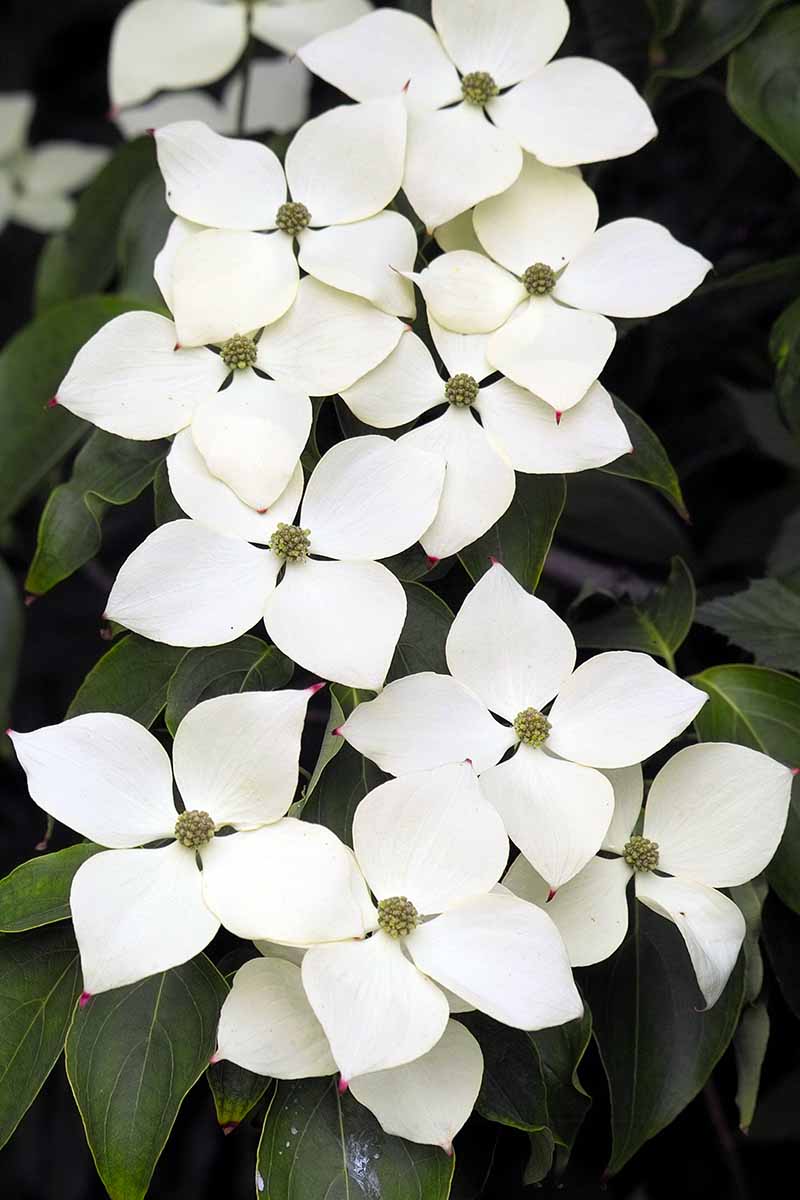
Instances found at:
x=245 y=69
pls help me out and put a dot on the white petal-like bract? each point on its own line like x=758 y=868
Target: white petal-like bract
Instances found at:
x=510 y=39
x=468 y=293
x=403 y=387
x=366 y=258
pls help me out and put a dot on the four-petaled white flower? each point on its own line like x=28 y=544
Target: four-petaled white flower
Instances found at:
x=510 y=654
x=138 y=910
x=557 y=275
x=268 y=1026
x=201 y=584
x=714 y=817
x=430 y=846
x=480 y=90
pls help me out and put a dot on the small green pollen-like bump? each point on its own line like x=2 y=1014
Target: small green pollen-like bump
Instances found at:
x=239 y=352
x=531 y=727
x=194 y=828
x=397 y=916
x=292 y=218
x=539 y=280
x=290 y=542
x=640 y=853
x=461 y=390
x=478 y=87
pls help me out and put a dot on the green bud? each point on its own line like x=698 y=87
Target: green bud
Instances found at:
x=478 y=87
x=290 y=542
x=531 y=727
x=193 y=829
x=539 y=279
x=461 y=390
x=640 y=853
x=239 y=352
x=292 y=218
x=397 y=916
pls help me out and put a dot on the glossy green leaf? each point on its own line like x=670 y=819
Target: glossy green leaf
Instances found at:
x=166 y=507
x=12 y=628
x=40 y=980
x=132 y=1055
x=754 y=706
x=750 y=1048
x=247 y=665
x=131 y=678
x=331 y=744
x=784 y=347
x=540 y=1160
x=617 y=518
x=236 y=1092
x=705 y=31
x=421 y=643
x=107 y=470
x=649 y=461
x=343 y=783
x=783 y=872
x=764 y=620
x=37 y=892
x=764 y=83
x=657 y=1042
x=317 y=1145
x=142 y=232
x=522 y=538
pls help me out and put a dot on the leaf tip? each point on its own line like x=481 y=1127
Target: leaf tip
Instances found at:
x=317 y=687
x=550 y=894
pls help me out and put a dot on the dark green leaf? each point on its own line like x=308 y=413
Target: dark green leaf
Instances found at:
x=784 y=272
x=706 y=31
x=132 y=1055
x=40 y=980
x=540 y=1161
x=621 y=520
x=784 y=346
x=781 y=931
x=750 y=1047
x=166 y=506
x=411 y=565
x=246 y=665
x=107 y=470
x=666 y=15
x=764 y=620
x=764 y=83
x=331 y=745
x=317 y=1145
x=11 y=633
x=784 y=557
x=236 y=1092
x=649 y=462
x=131 y=678
x=421 y=644
x=783 y=872
x=522 y=537
x=344 y=782
x=657 y=1043
x=142 y=233
x=754 y=706
x=37 y=892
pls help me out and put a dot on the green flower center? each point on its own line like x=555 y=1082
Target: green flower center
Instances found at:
x=397 y=916
x=290 y=542
x=292 y=218
x=193 y=829
x=539 y=279
x=640 y=853
x=461 y=390
x=478 y=87
x=239 y=352
x=531 y=727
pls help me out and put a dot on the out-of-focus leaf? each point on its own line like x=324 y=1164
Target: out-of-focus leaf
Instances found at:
x=319 y=1146
x=764 y=620
x=781 y=931
x=37 y=892
x=421 y=643
x=620 y=519
x=166 y=507
x=750 y=1047
x=666 y=15
x=764 y=82
x=753 y=706
x=784 y=346
x=783 y=872
x=246 y=665
x=236 y=1092
x=649 y=461
x=131 y=678
x=522 y=537
x=11 y=630
x=540 y=1161
x=108 y=470
x=142 y=233
x=784 y=557
x=704 y=32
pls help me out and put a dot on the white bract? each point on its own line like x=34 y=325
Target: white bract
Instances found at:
x=714 y=817
x=201 y=584
x=510 y=654
x=342 y=169
x=137 y=910
x=480 y=89
x=430 y=846
x=551 y=277
x=268 y=1026
x=36 y=182
x=516 y=429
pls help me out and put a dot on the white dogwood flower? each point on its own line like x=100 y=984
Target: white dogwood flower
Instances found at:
x=714 y=817
x=553 y=280
x=339 y=616
x=268 y=1026
x=516 y=429
x=177 y=44
x=510 y=654
x=480 y=89
x=342 y=169
x=138 y=910
x=430 y=846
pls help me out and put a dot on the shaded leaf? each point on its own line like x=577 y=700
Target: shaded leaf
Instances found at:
x=784 y=347
x=11 y=627
x=784 y=557
x=750 y=1047
x=781 y=931
x=331 y=744
x=522 y=537
x=337 y=792
x=764 y=620
x=142 y=232
x=705 y=31
x=649 y=461
x=37 y=892
x=166 y=507
x=236 y=1092
x=753 y=706
x=131 y=678
x=783 y=872
x=764 y=83
x=619 y=519
x=421 y=643
x=666 y=15
x=247 y=665
x=540 y=1160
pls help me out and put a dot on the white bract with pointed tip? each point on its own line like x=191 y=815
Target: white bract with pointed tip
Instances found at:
x=200 y=584
x=510 y=654
x=714 y=816
x=432 y=849
x=480 y=89
x=138 y=911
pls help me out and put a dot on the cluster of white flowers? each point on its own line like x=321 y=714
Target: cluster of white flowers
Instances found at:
x=367 y=953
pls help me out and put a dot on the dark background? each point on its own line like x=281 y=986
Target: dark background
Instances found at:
x=701 y=376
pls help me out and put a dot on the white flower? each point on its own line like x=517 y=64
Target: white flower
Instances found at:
x=268 y=1026
x=558 y=274
x=367 y=498
x=342 y=169
x=714 y=817
x=516 y=429
x=139 y=911
x=430 y=846
x=185 y=43
x=510 y=654
x=35 y=183
x=568 y=112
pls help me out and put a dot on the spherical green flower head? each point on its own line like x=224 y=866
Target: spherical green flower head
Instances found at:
x=194 y=828
x=640 y=853
x=292 y=218
x=397 y=916
x=461 y=390
x=478 y=87
x=290 y=542
x=239 y=352
x=539 y=280
x=531 y=727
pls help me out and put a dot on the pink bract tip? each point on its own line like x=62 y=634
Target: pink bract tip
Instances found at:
x=468 y=761
x=9 y=731
x=229 y=1128
x=316 y=687
x=448 y=1148
x=558 y=417
x=84 y=999
x=432 y=560
x=495 y=562
x=177 y=346
x=215 y=1057
x=261 y=511
x=406 y=86
x=52 y=402
x=151 y=132
x=342 y=1085
x=30 y=598
x=795 y=770
x=112 y=113
x=42 y=845
x=337 y=732
x=551 y=893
